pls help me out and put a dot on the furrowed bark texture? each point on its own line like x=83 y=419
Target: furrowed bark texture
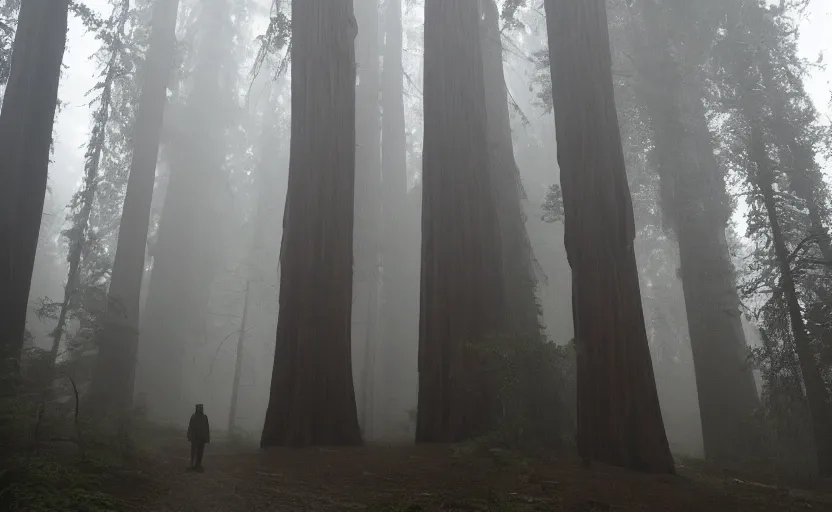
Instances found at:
x=619 y=419
x=115 y=365
x=462 y=298
x=26 y=123
x=312 y=398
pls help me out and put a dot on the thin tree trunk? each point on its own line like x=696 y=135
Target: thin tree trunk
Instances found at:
x=81 y=220
x=312 y=399
x=696 y=205
x=115 y=366
x=26 y=121
x=461 y=302
x=816 y=392
x=367 y=204
x=619 y=419
x=238 y=363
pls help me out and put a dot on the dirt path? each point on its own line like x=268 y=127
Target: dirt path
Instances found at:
x=428 y=478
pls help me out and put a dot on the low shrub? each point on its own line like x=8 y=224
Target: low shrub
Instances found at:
x=534 y=382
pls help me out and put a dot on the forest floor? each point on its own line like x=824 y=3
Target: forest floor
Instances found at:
x=432 y=478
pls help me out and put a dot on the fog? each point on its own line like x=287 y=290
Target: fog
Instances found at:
x=210 y=290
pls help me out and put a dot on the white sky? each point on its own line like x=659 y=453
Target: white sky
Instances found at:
x=815 y=38
x=80 y=74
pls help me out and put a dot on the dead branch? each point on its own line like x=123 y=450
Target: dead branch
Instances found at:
x=77 y=425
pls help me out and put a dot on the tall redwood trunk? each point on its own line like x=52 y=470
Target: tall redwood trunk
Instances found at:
x=619 y=419
x=461 y=301
x=367 y=208
x=26 y=121
x=115 y=365
x=518 y=277
x=312 y=398
x=696 y=206
x=394 y=311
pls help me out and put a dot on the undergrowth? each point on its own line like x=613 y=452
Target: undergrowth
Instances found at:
x=55 y=460
x=50 y=483
x=534 y=382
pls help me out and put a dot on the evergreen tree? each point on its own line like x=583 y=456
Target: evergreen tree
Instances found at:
x=26 y=120
x=779 y=217
x=312 y=399
x=461 y=302
x=670 y=51
x=80 y=235
x=619 y=419
x=115 y=365
x=8 y=24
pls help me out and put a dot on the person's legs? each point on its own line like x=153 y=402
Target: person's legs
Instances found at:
x=200 y=449
x=194 y=450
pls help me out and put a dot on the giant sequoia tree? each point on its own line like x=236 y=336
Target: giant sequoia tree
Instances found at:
x=26 y=120
x=118 y=341
x=619 y=419
x=312 y=398
x=696 y=208
x=462 y=298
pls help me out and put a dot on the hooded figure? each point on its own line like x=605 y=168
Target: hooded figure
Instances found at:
x=199 y=434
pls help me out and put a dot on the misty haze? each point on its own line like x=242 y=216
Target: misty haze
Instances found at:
x=388 y=255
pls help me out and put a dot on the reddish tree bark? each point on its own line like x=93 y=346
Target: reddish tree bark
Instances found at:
x=26 y=121
x=312 y=398
x=462 y=298
x=619 y=419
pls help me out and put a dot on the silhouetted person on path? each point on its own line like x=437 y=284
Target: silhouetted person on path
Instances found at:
x=199 y=434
